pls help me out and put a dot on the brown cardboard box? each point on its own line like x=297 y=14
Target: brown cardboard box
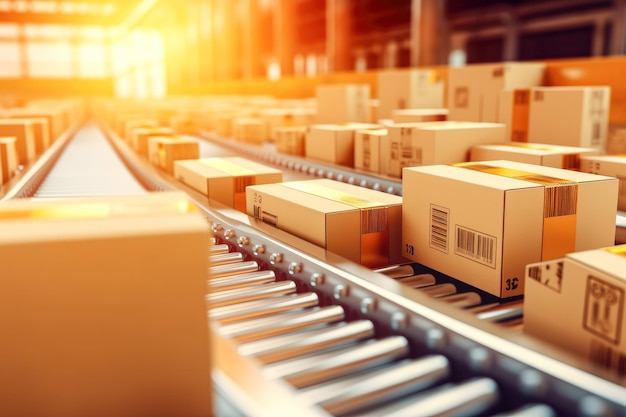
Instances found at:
x=398 y=149
x=249 y=130
x=164 y=151
x=418 y=115
x=24 y=131
x=103 y=307
x=570 y=116
x=428 y=143
x=611 y=166
x=514 y=113
x=8 y=158
x=57 y=122
x=566 y=157
x=277 y=118
x=474 y=90
x=484 y=222
x=357 y=223
x=141 y=136
x=451 y=142
x=41 y=133
x=225 y=179
x=367 y=149
x=291 y=139
x=183 y=124
x=131 y=125
x=333 y=143
x=406 y=89
x=343 y=103
x=577 y=303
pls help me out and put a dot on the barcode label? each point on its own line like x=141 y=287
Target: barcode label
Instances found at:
x=607 y=357
x=476 y=246
x=373 y=220
x=439 y=226
x=560 y=200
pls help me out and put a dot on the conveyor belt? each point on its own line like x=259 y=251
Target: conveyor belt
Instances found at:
x=299 y=331
x=88 y=166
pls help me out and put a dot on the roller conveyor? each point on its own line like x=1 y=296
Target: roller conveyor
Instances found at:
x=88 y=166
x=299 y=331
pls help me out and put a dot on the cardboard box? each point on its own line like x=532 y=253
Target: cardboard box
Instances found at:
x=249 y=130
x=141 y=136
x=103 y=308
x=131 y=125
x=287 y=117
x=566 y=157
x=183 y=124
x=225 y=179
x=474 y=90
x=514 y=112
x=23 y=130
x=577 y=303
x=343 y=103
x=407 y=89
x=357 y=223
x=57 y=120
x=616 y=140
x=333 y=143
x=419 y=115
x=415 y=144
x=611 y=166
x=291 y=139
x=41 y=133
x=164 y=151
x=367 y=149
x=8 y=158
x=570 y=116
x=483 y=222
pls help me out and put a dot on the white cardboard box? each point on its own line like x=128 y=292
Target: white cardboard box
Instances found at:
x=343 y=103
x=609 y=165
x=225 y=179
x=483 y=222
x=577 y=303
x=333 y=143
x=570 y=116
x=103 y=308
x=566 y=157
x=357 y=223
x=474 y=90
x=406 y=89
x=367 y=149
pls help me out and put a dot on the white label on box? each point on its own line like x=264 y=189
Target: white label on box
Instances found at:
x=475 y=246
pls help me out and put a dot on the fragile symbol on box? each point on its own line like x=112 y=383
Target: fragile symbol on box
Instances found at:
x=604 y=306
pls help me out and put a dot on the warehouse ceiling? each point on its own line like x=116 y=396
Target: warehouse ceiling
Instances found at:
x=75 y=12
